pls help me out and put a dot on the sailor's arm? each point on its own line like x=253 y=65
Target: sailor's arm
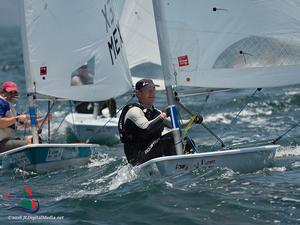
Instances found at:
x=8 y=121
x=197 y=119
x=137 y=116
x=39 y=121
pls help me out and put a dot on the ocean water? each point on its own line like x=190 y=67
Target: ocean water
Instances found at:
x=107 y=191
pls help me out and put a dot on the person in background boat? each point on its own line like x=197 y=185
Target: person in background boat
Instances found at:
x=141 y=126
x=82 y=77
x=88 y=107
x=10 y=120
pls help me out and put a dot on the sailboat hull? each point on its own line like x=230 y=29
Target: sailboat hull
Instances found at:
x=102 y=130
x=243 y=160
x=47 y=157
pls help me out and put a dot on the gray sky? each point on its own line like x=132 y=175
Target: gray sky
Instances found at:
x=9 y=12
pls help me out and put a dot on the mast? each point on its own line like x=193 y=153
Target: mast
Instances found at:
x=31 y=97
x=163 y=43
x=95 y=110
x=33 y=121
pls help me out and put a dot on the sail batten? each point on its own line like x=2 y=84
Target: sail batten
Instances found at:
x=65 y=41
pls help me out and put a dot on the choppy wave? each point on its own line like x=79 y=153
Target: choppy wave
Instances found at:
x=288 y=151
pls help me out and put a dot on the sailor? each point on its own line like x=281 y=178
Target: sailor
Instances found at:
x=141 y=126
x=10 y=121
x=8 y=118
x=88 y=107
x=82 y=77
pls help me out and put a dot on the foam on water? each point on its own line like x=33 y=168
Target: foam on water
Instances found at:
x=288 y=151
x=102 y=183
x=218 y=117
x=123 y=175
x=296 y=164
x=290 y=200
x=293 y=92
x=276 y=169
x=100 y=160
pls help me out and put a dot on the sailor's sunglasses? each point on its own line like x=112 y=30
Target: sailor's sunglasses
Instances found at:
x=12 y=93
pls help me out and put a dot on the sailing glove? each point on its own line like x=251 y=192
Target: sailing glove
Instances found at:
x=167 y=111
x=198 y=119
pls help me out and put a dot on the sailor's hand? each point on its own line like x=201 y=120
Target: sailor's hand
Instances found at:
x=167 y=111
x=198 y=119
x=163 y=115
x=49 y=117
x=22 y=118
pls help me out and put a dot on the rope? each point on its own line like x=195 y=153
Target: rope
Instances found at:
x=190 y=123
x=70 y=104
x=192 y=143
x=235 y=118
x=237 y=115
x=280 y=136
x=204 y=102
x=45 y=118
x=188 y=126
x=24 y=133
x=185 y=131
x=56 y=130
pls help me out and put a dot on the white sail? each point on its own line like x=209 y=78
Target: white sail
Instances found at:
x=61 y=37
x=232 y=43
x=138 y=29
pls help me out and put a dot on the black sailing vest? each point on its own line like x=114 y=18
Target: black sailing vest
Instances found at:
x=131 y=133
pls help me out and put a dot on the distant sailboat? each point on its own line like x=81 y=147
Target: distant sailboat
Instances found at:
x=58 y=39
x=218 y=44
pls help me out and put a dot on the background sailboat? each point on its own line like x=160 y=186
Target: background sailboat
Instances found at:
x=197 y=40
x=57 y=41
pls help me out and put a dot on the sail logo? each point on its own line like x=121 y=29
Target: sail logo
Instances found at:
x=115 y=44
x=115 y=41
x=183 y=61
x=181 y=166
x=43 y=70
x=25 y=202
x=109 y=15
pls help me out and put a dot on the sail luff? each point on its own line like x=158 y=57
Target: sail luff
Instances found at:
x=25 y=48
x=163 y=42
x=28 y=78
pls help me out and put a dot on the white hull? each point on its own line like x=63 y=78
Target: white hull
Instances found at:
x=47 y=157
x=240 y=160
x=102 y=130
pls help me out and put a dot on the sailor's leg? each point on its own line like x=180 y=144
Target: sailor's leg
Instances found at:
x=152 y=151
x=112 y=106
x=166 y=144
x=9 y=144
